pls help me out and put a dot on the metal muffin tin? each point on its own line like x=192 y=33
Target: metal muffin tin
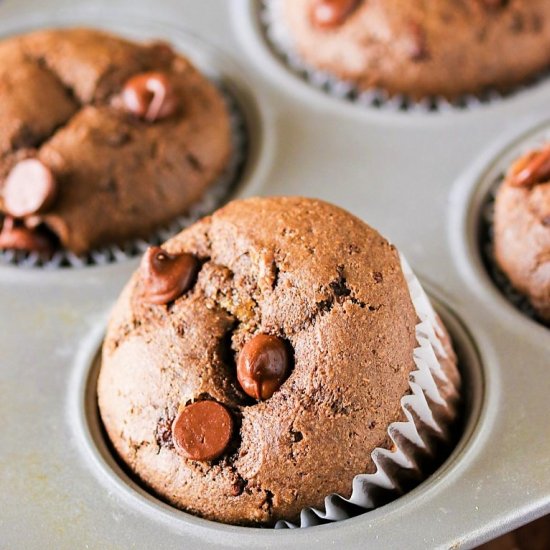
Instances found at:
x=420 y=178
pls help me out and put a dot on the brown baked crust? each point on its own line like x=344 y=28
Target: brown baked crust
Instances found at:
x=119 y=177
x=522 y=240
x=296 y=268
x=435 y=48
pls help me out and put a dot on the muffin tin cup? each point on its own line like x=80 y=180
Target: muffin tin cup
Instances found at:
x=420 y=442
x=491 y=182
x=217 y=193
x=279 y=39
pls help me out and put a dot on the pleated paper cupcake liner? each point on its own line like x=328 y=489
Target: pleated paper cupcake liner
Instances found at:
x=279 y=39
x=214 y=197
x=431 y=411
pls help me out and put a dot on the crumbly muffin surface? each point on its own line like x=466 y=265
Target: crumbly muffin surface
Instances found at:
x=297 y=269
x=522 y=228
x=118 y=176
x=418 y=48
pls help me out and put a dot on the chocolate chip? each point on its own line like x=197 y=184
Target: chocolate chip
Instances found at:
x=493 y=4
x=531 y=169
x=165 y=277
x=237 y=487
x=263 y=365
x=417 y=43
x=150 y=96
x=332 y=13
x=29 y=188
x=15 y=236
x=202 y=430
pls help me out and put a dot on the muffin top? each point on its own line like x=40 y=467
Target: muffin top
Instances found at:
x=295 y=284
x=421 y=49
x=102 y=139
x=522 y=227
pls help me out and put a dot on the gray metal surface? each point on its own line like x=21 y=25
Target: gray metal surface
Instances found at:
x=419 y=180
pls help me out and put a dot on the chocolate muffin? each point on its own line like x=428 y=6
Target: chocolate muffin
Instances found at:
x=255 y=361
x=522 y=228
x=103 y=139
x=421 y=49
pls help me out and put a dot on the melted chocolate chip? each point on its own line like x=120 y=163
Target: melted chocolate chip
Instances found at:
x=532 y=169
x=150 y=96
x=328 y=14
x=493 y=4
x=263 y=365
x=165 y=277
x=15 y=236
x=29 y=188
x=202 y=430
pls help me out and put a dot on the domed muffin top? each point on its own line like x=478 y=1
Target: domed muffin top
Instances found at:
x=422 y=49
x=522 y=227
x=297 y=321
x=103 y=139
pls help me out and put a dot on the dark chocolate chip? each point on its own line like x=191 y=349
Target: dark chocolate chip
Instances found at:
x=202 y=430
x=150 y=96
x=165 y=277
x=332 y=13
x=16 y=236
x=493 y=4
x=532 y=169
x=29 y=188
x=263 y=365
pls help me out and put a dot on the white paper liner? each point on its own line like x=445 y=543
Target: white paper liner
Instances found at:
x=214 y=197
x=279 y=38
x=430 y=409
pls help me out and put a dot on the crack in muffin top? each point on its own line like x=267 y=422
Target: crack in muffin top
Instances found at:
x=119 y=175
x=298 y=269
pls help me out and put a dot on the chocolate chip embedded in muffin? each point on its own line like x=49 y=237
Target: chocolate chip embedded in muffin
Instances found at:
x=332 y=13
x=14 y=235
x=522 y=228
x=105 y=139
x=299 y=305
x=421 y=49
x=150 y=96
x=29 y=188
x=202 y=431
x=531 y=169
x=263 y=365
x=164 y=276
